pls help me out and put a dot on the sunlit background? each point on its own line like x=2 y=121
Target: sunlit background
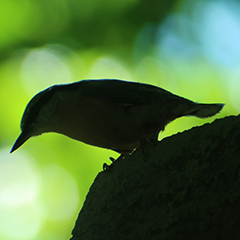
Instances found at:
x=191 y=48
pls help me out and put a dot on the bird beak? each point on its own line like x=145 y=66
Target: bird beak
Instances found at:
x=20 y=141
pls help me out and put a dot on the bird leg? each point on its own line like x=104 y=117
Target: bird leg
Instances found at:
x=151 y=141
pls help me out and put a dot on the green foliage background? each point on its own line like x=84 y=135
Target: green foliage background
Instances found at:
x=46 y=42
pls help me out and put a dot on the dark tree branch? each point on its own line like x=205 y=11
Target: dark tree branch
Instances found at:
x=186 y=187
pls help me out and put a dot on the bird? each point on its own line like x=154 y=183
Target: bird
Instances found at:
x=107 y=113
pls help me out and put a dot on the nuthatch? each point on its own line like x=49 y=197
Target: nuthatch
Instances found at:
x=112 y=114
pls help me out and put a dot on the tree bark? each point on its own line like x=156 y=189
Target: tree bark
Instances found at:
x=185 y=187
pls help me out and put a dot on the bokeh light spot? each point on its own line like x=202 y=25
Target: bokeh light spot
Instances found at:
x=19 y=187
x=218 y=27
x=109 y=68
x=44 y=67
x=59 y=192
x=19 y=178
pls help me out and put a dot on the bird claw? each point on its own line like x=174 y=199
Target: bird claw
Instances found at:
x=107 y=167
x=112 y=159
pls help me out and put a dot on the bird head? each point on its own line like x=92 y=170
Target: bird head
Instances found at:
x=37 y=115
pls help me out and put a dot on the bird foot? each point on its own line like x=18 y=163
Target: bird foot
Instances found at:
x=106 y=166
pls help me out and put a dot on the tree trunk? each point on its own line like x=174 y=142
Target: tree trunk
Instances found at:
x=185 y=187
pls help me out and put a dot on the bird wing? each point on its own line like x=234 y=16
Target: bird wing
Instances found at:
x=118 y=91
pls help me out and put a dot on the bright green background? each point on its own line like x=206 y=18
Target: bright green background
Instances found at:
x=190 y=48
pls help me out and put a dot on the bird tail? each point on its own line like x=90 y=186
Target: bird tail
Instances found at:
x=201 y=110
